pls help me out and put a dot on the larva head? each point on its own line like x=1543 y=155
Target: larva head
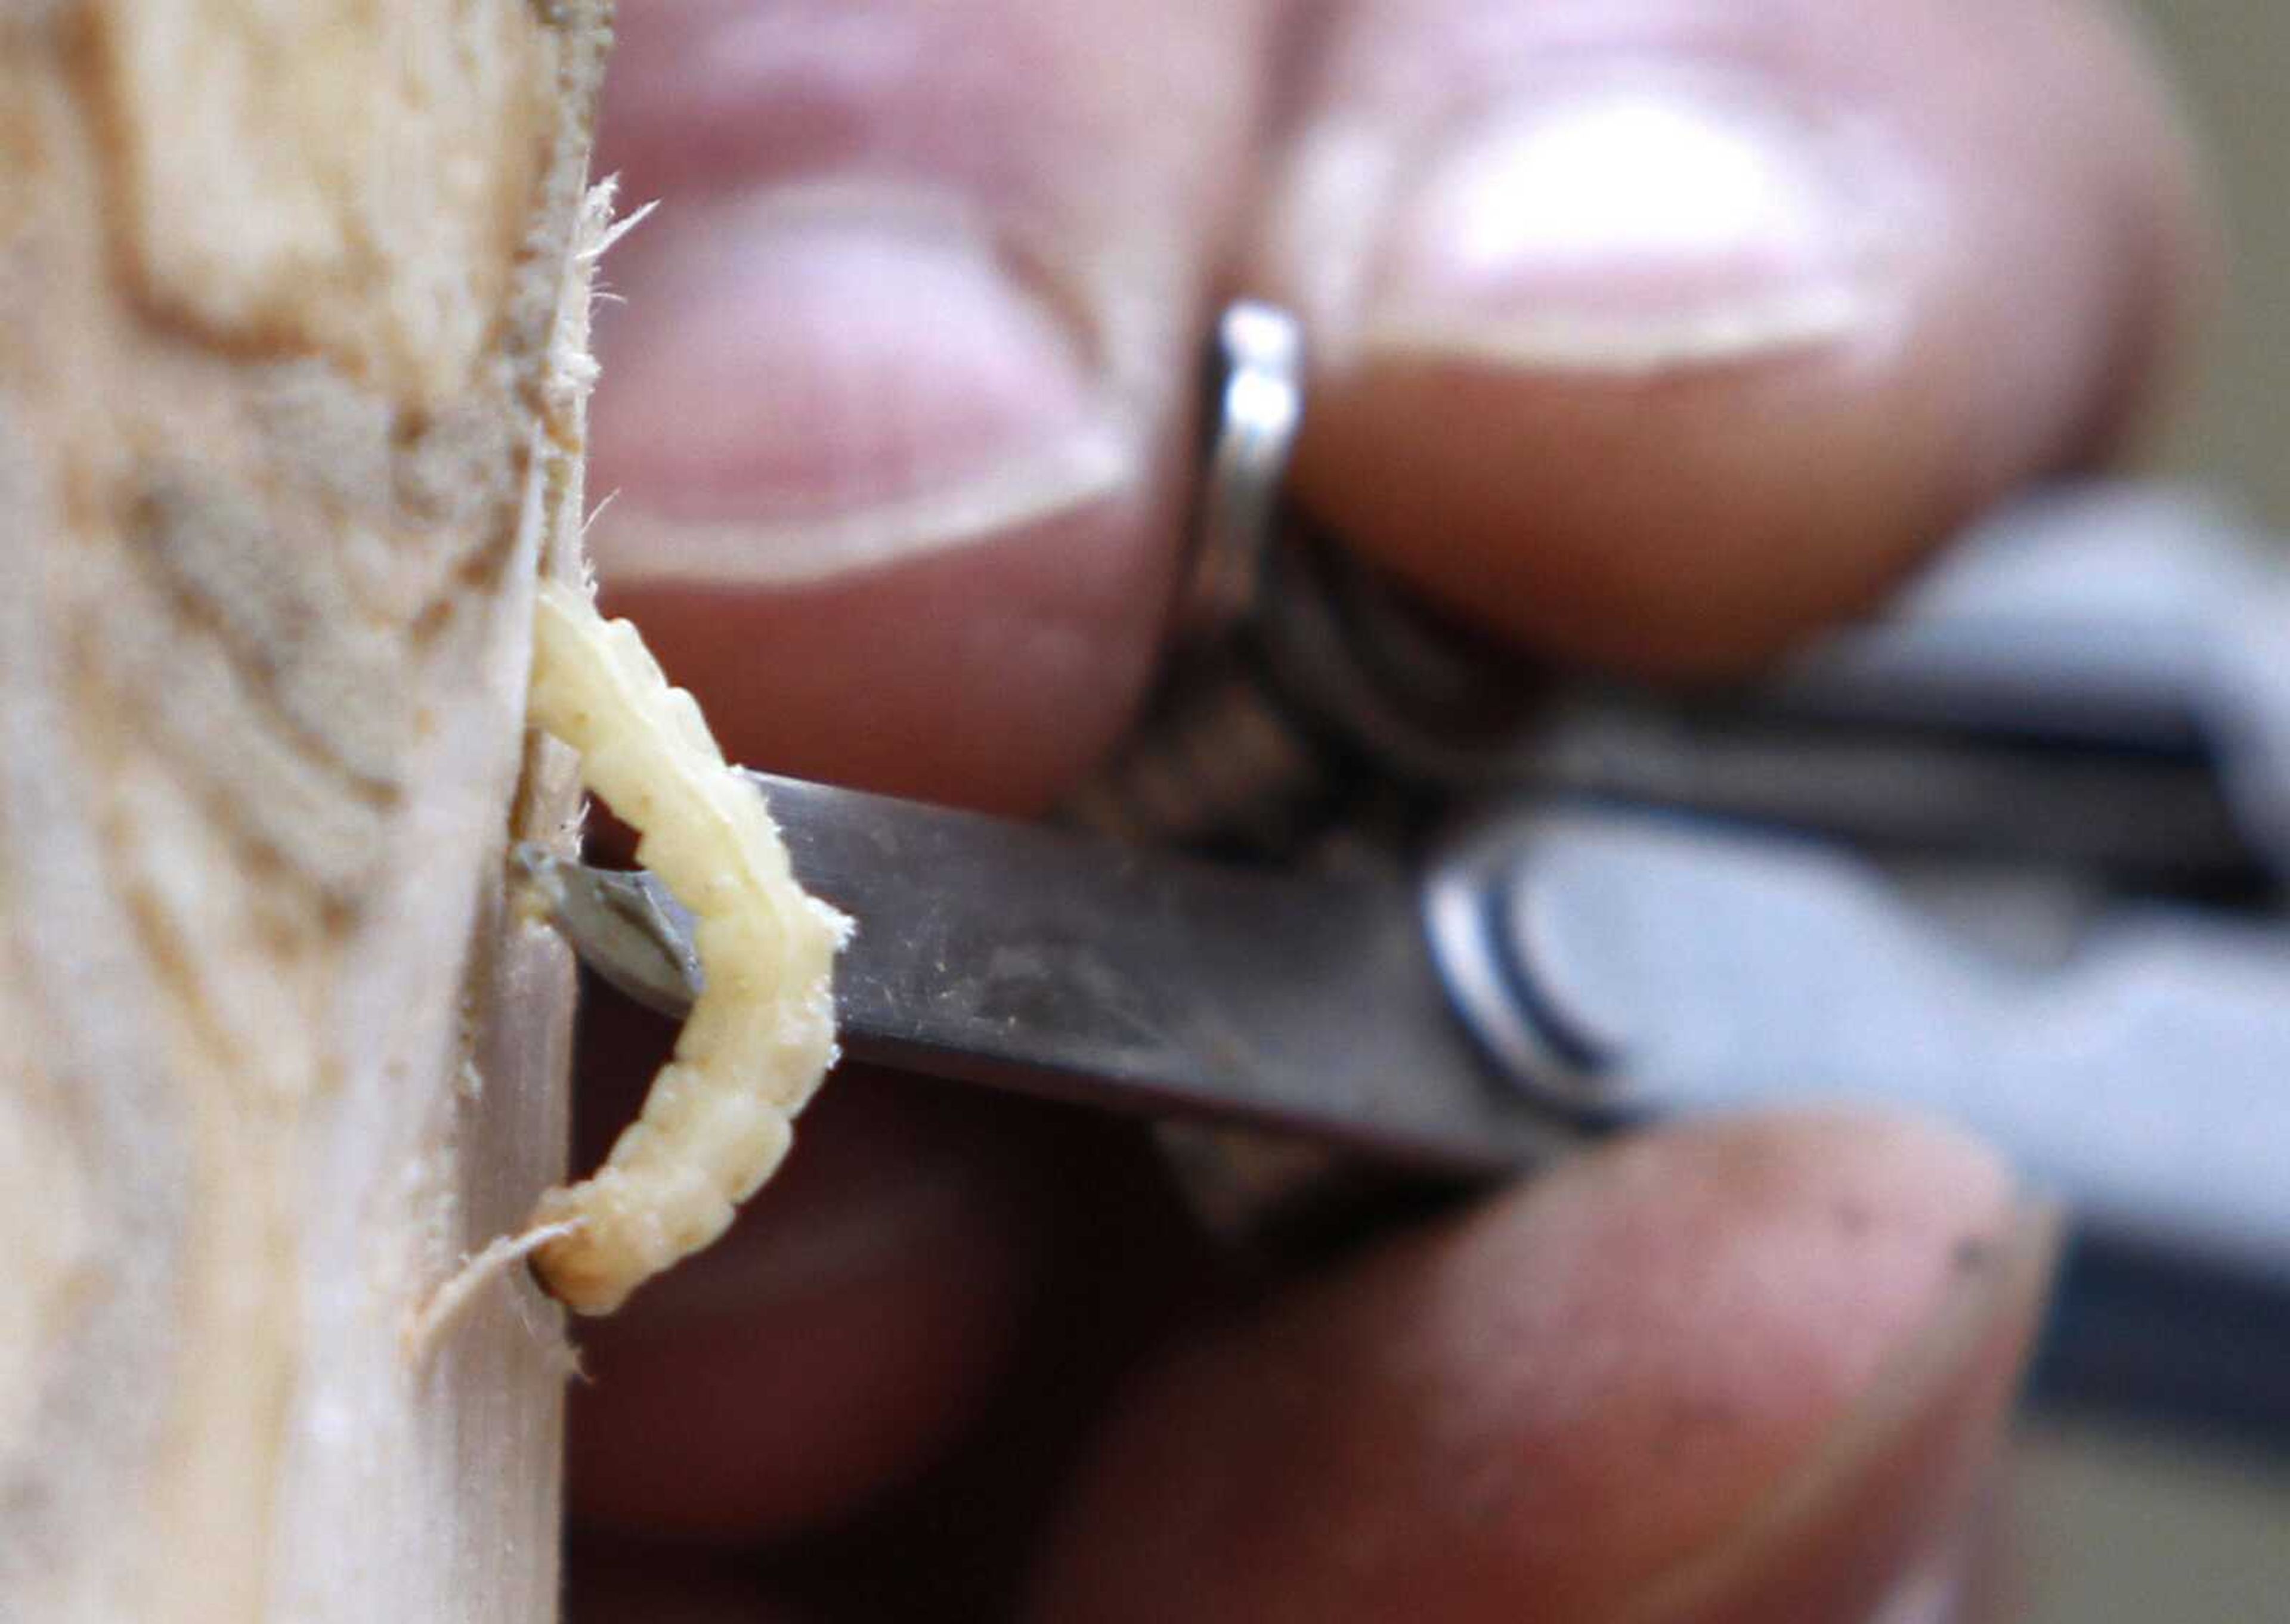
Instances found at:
x=581 y=1269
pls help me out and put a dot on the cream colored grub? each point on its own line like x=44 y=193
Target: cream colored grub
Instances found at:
x=761 y=1034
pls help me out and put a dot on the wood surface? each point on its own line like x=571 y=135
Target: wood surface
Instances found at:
x=292 y=369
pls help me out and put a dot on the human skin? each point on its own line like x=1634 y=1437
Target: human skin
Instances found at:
x=1652 y=335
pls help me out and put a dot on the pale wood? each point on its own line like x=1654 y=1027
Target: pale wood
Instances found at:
x=291 y=365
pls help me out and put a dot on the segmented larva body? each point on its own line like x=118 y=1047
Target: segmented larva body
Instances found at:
x=760 y=1035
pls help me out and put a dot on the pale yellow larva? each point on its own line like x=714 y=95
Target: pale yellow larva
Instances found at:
x=762 y=1034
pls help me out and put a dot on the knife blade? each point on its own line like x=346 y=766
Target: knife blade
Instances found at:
x=1067 y=966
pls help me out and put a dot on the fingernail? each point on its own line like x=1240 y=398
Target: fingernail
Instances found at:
x=809 y=383
x=1638 y=221
x=1876 y=1517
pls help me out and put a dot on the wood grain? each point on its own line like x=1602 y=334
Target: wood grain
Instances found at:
x=291 y=380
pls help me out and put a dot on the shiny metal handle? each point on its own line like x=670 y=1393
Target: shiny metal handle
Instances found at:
x=2134 y=1058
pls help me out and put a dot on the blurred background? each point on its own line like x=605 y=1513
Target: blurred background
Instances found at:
x=2234 y=66
x=2185 y=1517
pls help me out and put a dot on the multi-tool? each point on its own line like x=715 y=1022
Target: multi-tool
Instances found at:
x=2012 y=852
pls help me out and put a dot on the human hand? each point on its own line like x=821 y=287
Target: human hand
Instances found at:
x=1653 y=335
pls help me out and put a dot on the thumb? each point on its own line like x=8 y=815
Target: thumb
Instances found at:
x=1745 y=1371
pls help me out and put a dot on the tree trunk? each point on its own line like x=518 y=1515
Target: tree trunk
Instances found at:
x=292 y=352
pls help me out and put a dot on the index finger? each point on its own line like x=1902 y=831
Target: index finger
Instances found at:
x=1659 y=335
